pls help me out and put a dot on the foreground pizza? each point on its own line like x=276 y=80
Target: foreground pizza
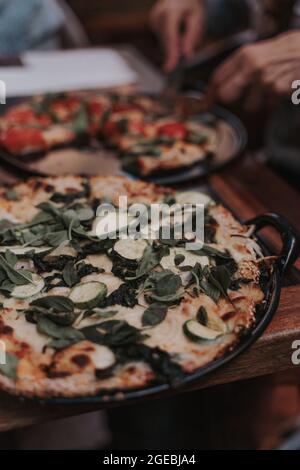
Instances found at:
x=82 y=316
x=149 y=136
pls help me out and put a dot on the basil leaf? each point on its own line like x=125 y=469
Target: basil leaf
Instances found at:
x=70 y=275
x=18 y=277
x=113 y=333
x=56 y=303
x=49 y=328
x=57 y=238
x=151 y=258
x=179 y=259
x=9 y=369
x=202 y=316
x=210 y=290
x=154 y=315
x=11 y=258
x=164 y=283
x=220 y=277
x=100 y=313
x=60 y=343
x=60 y=318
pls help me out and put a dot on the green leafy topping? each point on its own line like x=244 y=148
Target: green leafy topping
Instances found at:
x=9 y=369
x=151 y=258
x=17 y=277
x=164 y=287
x=48 y=327
x=113 y=333
x=56 y=303
x=58 y=309
x=70 y=275
x=202 y=316
x=179 y=258
x=12 y=195
x=154 y=315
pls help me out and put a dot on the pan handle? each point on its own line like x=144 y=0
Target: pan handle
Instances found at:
x=289 y=236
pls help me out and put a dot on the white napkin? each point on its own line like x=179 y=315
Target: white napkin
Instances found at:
x=67 y=70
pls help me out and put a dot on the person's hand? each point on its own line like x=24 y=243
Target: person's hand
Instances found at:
x=256 y=71
x=179 y=24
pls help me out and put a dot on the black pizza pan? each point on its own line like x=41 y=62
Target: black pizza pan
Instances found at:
x=289 y=253
x=95 y=159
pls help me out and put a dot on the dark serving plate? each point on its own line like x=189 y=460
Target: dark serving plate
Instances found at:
x=265 y=312
x=232 y=141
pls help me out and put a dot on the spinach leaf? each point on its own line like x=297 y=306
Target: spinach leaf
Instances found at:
x=125 y=295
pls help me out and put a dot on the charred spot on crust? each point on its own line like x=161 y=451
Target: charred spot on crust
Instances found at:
x=229 y=315
x=103 y=374
x=81 y=360
x=56 y=374
x=49 y=188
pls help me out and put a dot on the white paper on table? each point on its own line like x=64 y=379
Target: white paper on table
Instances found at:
x=67 y=70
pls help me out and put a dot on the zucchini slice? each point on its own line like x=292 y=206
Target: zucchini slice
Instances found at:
x=130 y=249
x=216 y=323
x=193 y=197
x=88 y=294
x=29 y=290
x=197 y=332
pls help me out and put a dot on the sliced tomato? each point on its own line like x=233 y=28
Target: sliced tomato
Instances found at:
x=124 y=107
x=110 y=128
x=26 y=116
x=18 y=140
x=95 y=107
x=173 y=129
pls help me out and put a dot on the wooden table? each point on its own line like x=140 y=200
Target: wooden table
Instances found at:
x=249 y=188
